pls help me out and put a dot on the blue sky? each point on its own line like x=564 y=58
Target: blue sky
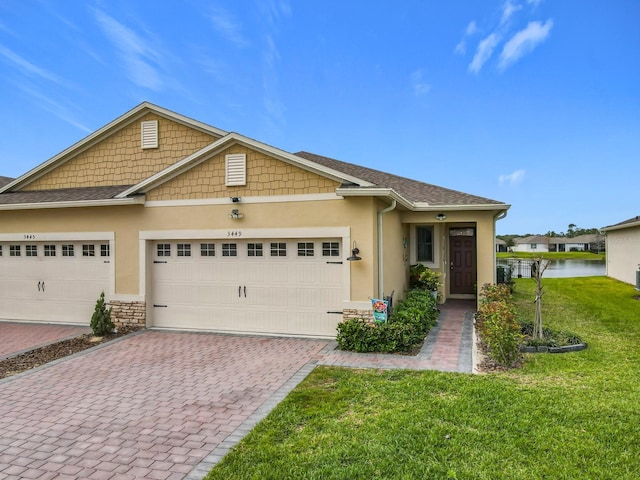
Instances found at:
x=535 y=103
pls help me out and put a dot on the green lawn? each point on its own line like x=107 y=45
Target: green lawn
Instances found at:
x=554 y=255
x=568 y=416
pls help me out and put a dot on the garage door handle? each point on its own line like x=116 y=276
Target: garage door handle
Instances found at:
x=43 y=286
x=39 y=285
x=239 y=291
x=160 y=306
x=245 y=291
x=334 y=263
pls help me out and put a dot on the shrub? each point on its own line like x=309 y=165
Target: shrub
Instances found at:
x=497 y=325
x=409 y=324
x=552 y=338
x=495 y=293
x=101 y=323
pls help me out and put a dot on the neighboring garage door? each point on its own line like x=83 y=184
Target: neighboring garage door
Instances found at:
x=290 y=287
x=52 y=281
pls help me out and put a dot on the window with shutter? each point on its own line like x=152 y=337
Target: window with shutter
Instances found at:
x=149 y=131
x=236 y=169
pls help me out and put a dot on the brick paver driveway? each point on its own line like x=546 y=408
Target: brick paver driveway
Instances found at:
x=16 y=337
x=152 y=405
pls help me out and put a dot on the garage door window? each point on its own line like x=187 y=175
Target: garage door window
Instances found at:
x=184 y=249
x=49 y=250
x=305 y=249
x=15 y=250
x=207 y=249
x=67 y=251
x=31 y=250
x=254 y=250
x=164 y=250
x=330 y=249
x=88 y=250
x=229 y=250
x=278 y=249
x=105 y=251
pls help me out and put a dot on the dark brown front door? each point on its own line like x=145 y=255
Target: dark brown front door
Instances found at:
x=462 y=263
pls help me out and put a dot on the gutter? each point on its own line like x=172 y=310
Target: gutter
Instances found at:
x=391 y=207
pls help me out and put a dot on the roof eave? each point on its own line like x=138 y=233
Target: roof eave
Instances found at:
x=108 y=202
x=621 y=226
x=415 y=206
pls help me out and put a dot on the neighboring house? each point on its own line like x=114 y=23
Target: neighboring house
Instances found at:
x=501 y=245
x=543 y=243
x=585 y=243
x=187 y=226
x=532 y=243
x=623 y=250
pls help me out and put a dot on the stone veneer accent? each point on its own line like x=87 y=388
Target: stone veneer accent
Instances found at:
x=120 y=160
x=266 y=176
x=348 y=314
x=128 y=313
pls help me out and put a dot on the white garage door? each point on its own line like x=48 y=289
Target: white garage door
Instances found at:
x=52 y=281
x=291 y=287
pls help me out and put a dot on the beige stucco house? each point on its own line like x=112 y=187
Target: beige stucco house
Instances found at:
x=187 y=226
x=623 y=250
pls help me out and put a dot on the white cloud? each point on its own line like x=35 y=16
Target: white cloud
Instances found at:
x=484 y=52
x=29 y=69
x=228 y=28
x=137 y=53
x=461 y=47
x=55 y=108
x=472 y=28
x=524 y=42
x=512 y=178
x=535 y=3
x=508 y=10
x=420 y=86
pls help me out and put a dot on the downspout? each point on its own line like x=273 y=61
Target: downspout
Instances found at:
x=498 y=216
x=393 y=205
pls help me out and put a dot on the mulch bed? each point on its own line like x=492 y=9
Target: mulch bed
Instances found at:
x=48 y=353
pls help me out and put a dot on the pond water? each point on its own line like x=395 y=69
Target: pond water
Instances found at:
x=558 y=268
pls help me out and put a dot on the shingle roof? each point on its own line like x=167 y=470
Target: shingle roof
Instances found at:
x=62 y=195
x=5 y=180
x=625 y=222
x=531 y=239
x=412 y=190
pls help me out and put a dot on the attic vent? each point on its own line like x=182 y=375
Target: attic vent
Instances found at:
x=236 y=169
x=149 y=131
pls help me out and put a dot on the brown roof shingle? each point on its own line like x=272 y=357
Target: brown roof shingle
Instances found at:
x=62 y=195
x=412 y=190
x=5 y=181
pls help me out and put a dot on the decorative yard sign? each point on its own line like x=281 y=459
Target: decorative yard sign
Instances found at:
x=380 y=308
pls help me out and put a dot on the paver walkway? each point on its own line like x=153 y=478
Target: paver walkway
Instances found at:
x=448 y=346
x=159 y=405
x=18 y=337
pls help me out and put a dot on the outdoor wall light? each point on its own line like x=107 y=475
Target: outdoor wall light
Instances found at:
x=354 y=253
x=235 y=214
x=235 y=199
x=441 y=216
